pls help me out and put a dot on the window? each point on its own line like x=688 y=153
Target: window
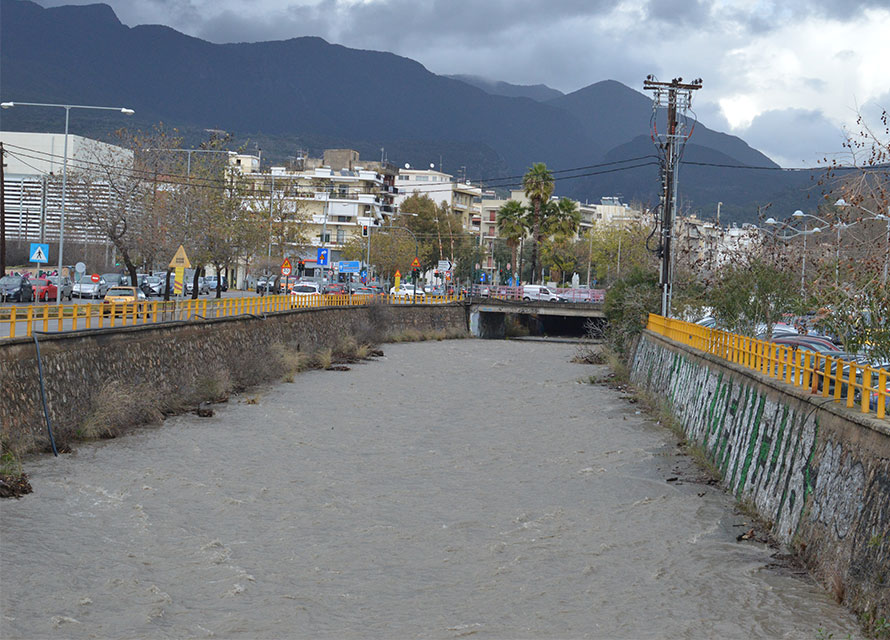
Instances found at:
x=492 y=216
x=341 y=235
x=326 y=239
x=342 y=218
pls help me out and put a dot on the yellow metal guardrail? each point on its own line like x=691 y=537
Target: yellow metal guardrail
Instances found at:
x=841 y=380
x=23 y=321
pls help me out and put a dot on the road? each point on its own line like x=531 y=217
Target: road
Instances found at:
x=451 y=489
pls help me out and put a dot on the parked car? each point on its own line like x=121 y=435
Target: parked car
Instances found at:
x=16 y=289
x=115 y=279
x=267 y=284
x=66 y=286
x=212 y=283
x=155 y=285
x=540 y=292
x=124 y=296
x=44 y=290
x=202 y=286
x=86 y=288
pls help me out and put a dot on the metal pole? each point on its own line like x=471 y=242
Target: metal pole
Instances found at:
x=589 y=254
x=271 y=197
x=803 y=268
x=887 y=250
x=837 y=258
x=64 y=189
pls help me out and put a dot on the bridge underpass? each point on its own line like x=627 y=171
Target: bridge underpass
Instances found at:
x=488 y=317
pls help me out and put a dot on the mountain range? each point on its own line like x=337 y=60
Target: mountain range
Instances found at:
x=307 y=93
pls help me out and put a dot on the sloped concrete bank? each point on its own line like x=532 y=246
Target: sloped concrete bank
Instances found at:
x=180 y=362
x=818 y=473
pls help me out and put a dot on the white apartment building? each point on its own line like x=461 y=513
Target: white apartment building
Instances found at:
x=460 y=197
x=335 y=202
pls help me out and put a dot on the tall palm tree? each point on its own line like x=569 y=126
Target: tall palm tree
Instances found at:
x=538 y=185
x=511 y=227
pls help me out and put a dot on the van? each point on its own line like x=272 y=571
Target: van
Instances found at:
x=540 y=292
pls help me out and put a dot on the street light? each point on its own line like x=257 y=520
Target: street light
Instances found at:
x=875 y=216
x=783 y=237
x=67 y=108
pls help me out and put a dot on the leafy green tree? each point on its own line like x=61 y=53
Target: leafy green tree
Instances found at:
x=538 y=185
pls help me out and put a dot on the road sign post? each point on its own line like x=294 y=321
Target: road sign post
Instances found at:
x=39 y=253
x=179 y=264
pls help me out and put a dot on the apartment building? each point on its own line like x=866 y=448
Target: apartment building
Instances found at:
x=336 y=195
x=461 y=198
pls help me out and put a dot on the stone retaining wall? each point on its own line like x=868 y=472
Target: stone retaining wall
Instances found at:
x=179 y=358
x=818 y=473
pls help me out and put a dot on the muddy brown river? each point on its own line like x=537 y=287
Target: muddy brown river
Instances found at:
x=451 y=489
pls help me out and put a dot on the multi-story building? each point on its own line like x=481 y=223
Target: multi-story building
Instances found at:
x=334 y=198
x=33 y=184
x=461 y=198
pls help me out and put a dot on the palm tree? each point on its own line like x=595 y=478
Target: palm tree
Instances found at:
x=511 y=227
x=538 y=185
x=561 y=217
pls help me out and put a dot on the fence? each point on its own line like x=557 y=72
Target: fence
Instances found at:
x=853 y=383
x=24 y=321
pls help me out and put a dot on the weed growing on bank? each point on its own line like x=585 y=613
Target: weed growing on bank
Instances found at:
x=116 y=406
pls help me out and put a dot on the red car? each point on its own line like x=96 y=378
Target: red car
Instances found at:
x=44 y=290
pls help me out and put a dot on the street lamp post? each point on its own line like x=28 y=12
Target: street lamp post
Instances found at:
x=875 y=216
x=67 y=108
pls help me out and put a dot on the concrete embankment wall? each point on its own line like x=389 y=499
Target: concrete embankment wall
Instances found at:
x=179 y=359
x=819 y=473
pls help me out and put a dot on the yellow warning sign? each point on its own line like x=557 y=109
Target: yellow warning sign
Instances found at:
x=398 y=280
x=180 y=260
x=416 y=263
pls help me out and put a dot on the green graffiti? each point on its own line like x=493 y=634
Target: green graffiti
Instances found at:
x=789 y=474
x=778 y=444
x=752 y=444
x=808 y=484
x=712 y=419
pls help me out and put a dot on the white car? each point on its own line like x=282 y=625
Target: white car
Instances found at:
x=305 y=289
x=406 y=291
x=540 y=292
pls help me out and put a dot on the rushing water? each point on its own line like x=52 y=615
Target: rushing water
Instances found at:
x=451 y=489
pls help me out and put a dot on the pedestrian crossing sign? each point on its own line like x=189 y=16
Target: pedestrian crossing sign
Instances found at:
x=39 y=252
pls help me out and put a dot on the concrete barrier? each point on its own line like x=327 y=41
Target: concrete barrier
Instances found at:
x=817 y=472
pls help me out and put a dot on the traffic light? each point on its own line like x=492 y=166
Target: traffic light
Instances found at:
x=415 y=273
x=301 y=268
x=365 y=231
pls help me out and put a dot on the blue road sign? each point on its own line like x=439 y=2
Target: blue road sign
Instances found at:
x=349 y=266
x=322 y=258
x=364 y=276
x=39 y=252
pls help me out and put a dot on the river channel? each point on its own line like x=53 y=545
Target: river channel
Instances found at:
x=451 y=489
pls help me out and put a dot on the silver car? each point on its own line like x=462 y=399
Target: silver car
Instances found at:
x=86 y=288
x=66 y=287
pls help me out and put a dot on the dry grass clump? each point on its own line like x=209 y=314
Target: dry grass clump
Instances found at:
x=215 y=386
x=346 y=348
x=289 y=360
x=324 y=358
x=363 y=351
x=116 y=406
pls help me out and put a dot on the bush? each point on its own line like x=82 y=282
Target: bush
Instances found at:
x=628 y=305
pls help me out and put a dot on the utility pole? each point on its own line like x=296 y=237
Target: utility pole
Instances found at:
x=2 y=211
x=676 y=96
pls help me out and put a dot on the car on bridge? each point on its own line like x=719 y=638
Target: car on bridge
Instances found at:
x=540 y=292
x=122 y=297
x=86 y=288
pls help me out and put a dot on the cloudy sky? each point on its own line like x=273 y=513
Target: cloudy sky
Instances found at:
x=788 y=76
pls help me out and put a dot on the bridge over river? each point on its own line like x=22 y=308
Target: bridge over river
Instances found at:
x=450 y=489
